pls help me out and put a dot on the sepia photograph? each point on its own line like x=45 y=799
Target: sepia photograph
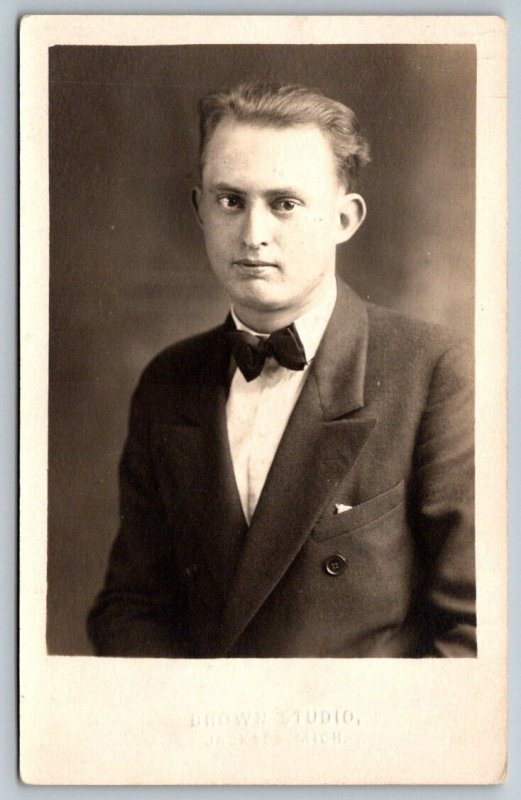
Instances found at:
x=297 y=480
x=256 y=432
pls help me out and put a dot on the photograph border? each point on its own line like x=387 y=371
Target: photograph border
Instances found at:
x=495 y=489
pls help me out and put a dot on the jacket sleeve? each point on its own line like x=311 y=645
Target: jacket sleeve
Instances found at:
x=445 y=524
x=140 y=610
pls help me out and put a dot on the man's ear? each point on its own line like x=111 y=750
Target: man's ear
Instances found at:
x=195 y=197
x=352 y=213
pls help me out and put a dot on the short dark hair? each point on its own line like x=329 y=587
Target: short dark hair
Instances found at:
x=283 y=105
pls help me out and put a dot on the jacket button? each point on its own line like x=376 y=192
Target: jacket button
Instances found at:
x=191 y=570
x=335 y=565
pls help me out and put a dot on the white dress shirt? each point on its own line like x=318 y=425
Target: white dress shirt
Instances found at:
x=258 y=411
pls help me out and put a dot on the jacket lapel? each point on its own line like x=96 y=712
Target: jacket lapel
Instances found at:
x=198 y=449
x=321 y=443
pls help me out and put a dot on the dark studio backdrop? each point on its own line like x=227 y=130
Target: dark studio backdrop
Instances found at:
x=128 y=272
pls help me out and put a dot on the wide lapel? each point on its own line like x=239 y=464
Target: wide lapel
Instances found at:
x=321 y=443
x=198 y=450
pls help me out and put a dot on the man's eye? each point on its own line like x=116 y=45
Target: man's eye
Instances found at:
x=230 y=201
x=285 y=205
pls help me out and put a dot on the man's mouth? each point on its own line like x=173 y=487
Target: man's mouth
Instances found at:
x=253 y=262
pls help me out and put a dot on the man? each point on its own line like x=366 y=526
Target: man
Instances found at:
x=298 y=481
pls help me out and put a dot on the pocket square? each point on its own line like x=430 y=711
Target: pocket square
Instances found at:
x=340 y=508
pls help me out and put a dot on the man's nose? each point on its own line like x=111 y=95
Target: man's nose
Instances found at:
x=256 y=228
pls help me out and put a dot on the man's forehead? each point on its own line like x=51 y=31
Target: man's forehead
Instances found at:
x=237 y=147
x=232 y=131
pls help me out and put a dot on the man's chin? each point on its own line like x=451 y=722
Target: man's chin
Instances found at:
x=260 y=306
x=260 y=298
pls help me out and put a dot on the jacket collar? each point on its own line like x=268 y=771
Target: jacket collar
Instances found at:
x=339 y=367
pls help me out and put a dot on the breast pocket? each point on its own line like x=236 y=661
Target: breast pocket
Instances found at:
x=367 y=512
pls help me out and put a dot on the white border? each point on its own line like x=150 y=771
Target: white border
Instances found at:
x=125 y=721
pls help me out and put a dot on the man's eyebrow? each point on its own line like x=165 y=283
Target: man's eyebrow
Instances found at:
x=225 y=187
x=284 y=191
x=281 y=191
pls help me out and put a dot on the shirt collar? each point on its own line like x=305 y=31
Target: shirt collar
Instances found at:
x=310 y=326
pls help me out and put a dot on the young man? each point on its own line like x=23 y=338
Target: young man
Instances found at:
x=298 y=481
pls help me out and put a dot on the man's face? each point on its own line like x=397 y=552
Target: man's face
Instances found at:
x=272 y=210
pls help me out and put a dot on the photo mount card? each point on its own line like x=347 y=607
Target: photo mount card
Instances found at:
x=114 y=270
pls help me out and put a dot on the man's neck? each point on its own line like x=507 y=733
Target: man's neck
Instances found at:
x=267 y=321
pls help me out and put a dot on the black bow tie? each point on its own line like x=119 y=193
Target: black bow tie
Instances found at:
x=250 y=352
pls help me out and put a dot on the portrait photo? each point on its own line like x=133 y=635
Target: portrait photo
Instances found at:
x=262 y=397
x=129 y=276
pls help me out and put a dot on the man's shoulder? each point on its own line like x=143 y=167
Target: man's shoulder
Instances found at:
x=427 y=350
x=389 y=328
x=183 y=359
x=394 y=330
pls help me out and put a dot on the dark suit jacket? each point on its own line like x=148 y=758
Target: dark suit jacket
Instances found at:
x=384 y=424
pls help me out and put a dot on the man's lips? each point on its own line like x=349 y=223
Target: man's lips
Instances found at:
x=253 y=262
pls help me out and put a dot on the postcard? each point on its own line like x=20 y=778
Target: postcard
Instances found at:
x=263 y=400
